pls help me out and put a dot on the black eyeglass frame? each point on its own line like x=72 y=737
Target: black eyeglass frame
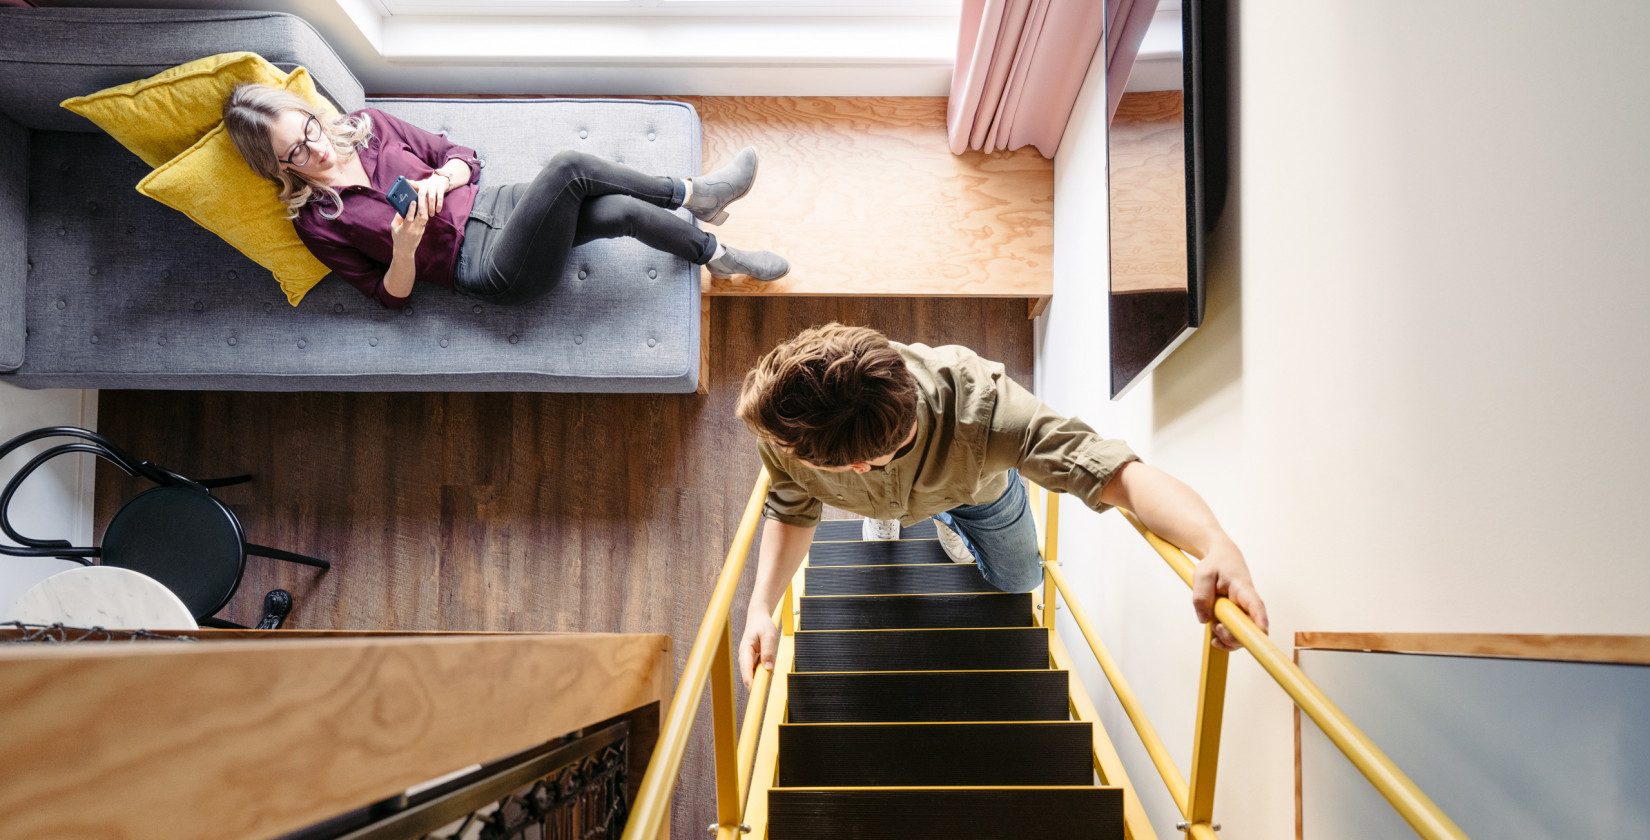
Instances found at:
x=304 y=146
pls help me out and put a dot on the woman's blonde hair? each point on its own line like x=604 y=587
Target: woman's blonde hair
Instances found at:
x=249 y=115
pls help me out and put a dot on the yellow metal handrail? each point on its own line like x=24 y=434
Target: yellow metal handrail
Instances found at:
x=711 y=657
x=1195 y=800
x=1419 y=811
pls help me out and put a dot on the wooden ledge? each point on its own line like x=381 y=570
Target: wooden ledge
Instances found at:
x=864 y=197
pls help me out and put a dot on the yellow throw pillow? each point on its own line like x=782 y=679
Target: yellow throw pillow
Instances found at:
x=159 y=117
x=212 y=185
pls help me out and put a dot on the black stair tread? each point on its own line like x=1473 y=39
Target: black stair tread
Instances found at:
x=919 y=579
x=876 y=553
x=968 y=649
x=955 y=813
x=949 y=753
x=833 y=530
x=868 y=696
x=888 y=612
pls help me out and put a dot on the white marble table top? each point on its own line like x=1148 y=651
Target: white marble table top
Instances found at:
x=103 y=596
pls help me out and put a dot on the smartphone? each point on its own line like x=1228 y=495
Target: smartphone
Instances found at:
x=402 y=195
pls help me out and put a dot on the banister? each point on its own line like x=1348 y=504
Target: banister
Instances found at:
x=1422 y=814
x=1155 y=748
x=712 y=648
x=652 y=802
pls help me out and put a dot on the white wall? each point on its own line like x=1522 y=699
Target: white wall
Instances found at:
x=56 y=502
x=1418 y=399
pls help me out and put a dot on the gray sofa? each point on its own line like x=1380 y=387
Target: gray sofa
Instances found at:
x=101 y=287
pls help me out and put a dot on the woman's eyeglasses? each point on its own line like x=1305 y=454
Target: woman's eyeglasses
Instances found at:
x=300 y=151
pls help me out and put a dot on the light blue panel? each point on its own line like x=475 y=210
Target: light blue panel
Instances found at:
x=1509 y=749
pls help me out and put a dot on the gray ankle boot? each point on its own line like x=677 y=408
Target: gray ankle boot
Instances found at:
x=759 y=265
x=714 y=191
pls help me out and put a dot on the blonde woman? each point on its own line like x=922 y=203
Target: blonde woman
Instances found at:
x=503 y=244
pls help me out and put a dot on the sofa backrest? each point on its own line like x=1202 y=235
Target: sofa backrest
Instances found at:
x=49 y=55
x=14 y=241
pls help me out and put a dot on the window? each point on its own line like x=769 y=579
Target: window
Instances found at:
x=677 y=8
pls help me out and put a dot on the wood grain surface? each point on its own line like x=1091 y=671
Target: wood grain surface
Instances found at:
x=576 y=512
x=864 y=196
x=1566 y=648
x=1148 y=194
x=255 y=739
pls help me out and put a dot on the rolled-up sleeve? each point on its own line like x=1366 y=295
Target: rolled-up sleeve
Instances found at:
x=429 y=147
x=1060 y=453
x=787 y=501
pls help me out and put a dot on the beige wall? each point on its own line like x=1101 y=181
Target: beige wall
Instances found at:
x=55 y=502
x=1420 y=396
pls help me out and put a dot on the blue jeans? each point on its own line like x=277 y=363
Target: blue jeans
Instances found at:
x=1002 y=536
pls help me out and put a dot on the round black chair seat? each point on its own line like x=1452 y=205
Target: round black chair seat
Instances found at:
x=184 y=538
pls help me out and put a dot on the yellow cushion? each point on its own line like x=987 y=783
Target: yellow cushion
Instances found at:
x=159 y=117
x=211 y=184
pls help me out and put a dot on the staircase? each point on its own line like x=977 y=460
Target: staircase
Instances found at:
x=921 y=704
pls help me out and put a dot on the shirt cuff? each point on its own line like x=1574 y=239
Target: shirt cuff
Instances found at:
x=475 y=163
x=1102 y=459
x=800 y=520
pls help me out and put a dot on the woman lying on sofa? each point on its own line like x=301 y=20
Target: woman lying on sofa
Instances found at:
x=502 y=244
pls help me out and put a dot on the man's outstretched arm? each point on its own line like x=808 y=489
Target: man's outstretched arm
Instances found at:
x=777 y=559
x=1178 y=514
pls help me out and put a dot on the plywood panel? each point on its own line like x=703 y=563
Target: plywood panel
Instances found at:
x=1623 y=649
x=864 y=196
x=255 y=739
x=1148 y=194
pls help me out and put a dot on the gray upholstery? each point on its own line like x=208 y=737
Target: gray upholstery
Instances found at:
x=124 y=292
x=49 y=55
x=14 y=243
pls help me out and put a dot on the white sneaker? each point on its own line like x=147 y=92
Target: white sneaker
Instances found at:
x=953 y=544
x=879 y=529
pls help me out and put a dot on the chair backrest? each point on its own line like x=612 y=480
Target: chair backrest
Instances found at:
x=89 y=442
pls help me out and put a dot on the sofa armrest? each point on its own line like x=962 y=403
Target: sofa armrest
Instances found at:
x=14 y=242
x=49 y=55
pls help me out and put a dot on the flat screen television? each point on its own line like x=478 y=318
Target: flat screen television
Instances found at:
x=1166 y=177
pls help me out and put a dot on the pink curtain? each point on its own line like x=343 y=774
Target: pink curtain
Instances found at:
x=1021 y=63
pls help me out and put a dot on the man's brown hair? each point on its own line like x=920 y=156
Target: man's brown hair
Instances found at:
x=831 y=396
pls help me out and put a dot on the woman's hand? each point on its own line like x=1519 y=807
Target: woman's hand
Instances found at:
x=432 y=192
x=407 y=232
x=760 y=643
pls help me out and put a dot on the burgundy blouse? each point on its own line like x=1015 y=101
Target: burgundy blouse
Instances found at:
x=357 y=245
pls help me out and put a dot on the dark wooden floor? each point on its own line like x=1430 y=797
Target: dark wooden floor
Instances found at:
x=512 y=511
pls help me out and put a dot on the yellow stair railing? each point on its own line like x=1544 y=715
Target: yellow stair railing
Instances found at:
x=737 y=803
x=710 y=658
x=1195 y=798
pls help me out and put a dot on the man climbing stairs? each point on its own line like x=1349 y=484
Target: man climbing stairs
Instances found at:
x=921 y=704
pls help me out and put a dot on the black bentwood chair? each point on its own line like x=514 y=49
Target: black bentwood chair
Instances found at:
x=176 y=533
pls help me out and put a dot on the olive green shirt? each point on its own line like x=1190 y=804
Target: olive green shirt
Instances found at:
x=974 y=424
